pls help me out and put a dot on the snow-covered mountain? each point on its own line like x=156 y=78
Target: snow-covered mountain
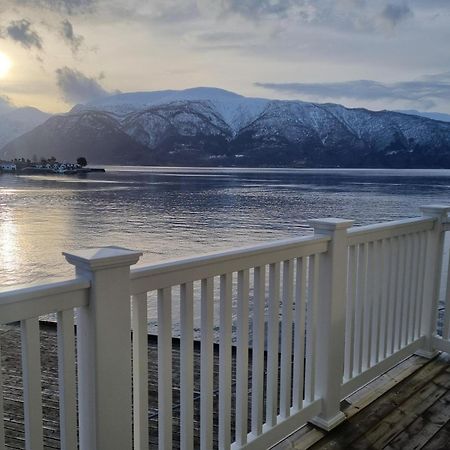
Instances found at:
x=208 y=126
x=16 y=121
x=430 y=115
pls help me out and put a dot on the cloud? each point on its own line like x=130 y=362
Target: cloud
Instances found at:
x=21 y=32
x=423 y=92
x=64 y=6
x=393 y=14
x=76 y=87
x=73 y=40
x=258 y=8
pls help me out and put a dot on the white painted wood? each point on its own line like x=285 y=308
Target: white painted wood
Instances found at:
x=378 y=231
x=383 y=366
x=331 y=319
x=259 y=300
x=368 y=308
x=242 y=358
x=420 y=286
x=392 y=298
x=406 y=297
x=286 y=339
x=311 y=328
x=359 y=307
x=38 y=300
x=376 y=304
x=385 y=261
x=187 y=366
x=272 y=344
x=2 y=429
x=446 y=325
x=299 y=333
x=165 y=368
x=156 y=276
x=433 y=269
x=206 y=364
x=414 y=284
x=399 y=295
x=104 y=348
x=284 y=428
x=350 y=313
x=225 y=361
x=140 y=371
x=67 y=381
x=31 y=373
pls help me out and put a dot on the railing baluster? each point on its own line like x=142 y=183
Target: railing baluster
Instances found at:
x=350 y=320
x=286 y=339
x=420 y=283
x=258 y=350
x=376 y=304
x=272 y=344
x=392 y=298
x=385 y=262
x=242 y=358
x=165 y=367
x=414 y=281
x=368 y=308
x=311 y=328
x=140 y=370
x=359 y=307
x=2 y=427
x=206 y=364
x=225 y=362
x=399 y=296
x=299 y=336
x=446 y=325
x=406 y=297
x=67 y=380
x=187 y=366
x=31 y=367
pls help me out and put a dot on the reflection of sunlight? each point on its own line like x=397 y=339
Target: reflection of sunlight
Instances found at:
x=9 y=253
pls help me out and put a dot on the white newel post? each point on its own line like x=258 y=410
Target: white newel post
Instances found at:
x=433 y=268
x=104 y=348
x=331 y=320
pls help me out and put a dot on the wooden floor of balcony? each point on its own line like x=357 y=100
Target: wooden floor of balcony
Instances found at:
x=406 y=408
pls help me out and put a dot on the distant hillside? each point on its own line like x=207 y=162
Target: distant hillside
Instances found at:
x=208 y=126
x=16 y=121
x=430 y=115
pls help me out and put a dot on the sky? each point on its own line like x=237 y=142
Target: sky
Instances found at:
x=378 y=54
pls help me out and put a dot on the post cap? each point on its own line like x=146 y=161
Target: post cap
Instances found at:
x=330 y=224
x=435 y=210
x=102 y=257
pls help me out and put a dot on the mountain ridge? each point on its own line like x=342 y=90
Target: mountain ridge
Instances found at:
x=210 y=126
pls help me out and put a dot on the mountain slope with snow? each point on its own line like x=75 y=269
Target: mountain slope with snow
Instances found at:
x=16 y=121
x=208 y=126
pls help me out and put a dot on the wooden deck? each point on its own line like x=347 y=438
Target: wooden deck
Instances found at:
x=407 y=408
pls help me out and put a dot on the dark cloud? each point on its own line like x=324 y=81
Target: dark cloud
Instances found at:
x=73 y=40
x=20 y=31
x=76 y=87
x=393 y=14
x=423 y=92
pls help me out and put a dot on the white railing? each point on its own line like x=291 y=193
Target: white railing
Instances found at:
x=300 y=324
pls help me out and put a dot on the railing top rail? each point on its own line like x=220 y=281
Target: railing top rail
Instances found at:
x=179 y=271
x=368 y=233
x=26 y=301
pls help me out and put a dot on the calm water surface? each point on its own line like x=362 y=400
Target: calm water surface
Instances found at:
x=172 y=212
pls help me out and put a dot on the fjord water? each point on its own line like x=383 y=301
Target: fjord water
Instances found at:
x=172 y=212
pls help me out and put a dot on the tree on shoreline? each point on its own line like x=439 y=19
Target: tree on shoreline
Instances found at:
x=82 y=161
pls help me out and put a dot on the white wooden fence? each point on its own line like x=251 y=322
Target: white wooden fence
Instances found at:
x=312 y=319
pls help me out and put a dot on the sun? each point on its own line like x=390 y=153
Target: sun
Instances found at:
x=5 y=64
